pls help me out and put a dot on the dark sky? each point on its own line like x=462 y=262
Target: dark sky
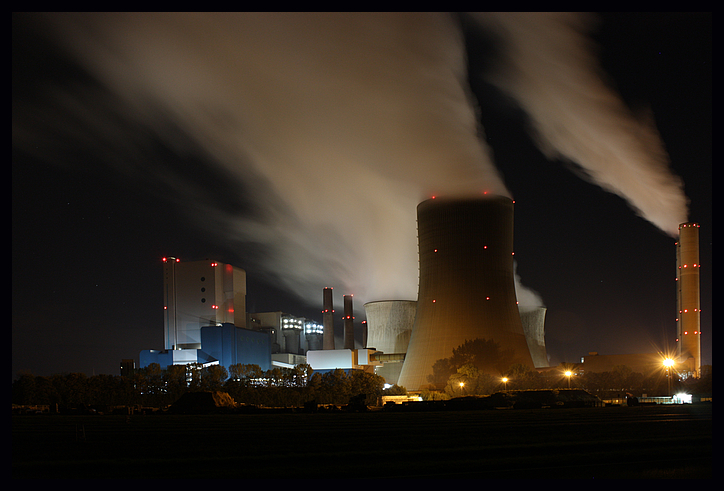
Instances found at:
x=88 y=238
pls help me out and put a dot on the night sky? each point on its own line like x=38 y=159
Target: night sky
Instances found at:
x=104 y=186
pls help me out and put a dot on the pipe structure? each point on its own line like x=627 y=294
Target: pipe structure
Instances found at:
x=466 y=287
x=688 y=297
x=328 y=319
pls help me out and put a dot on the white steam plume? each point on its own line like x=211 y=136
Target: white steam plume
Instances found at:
x=353 y=118
x=550 y=69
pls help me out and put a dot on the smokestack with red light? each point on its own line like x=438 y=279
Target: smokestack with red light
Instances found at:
x=328 y=320
x=348 y=322
x=687 y=279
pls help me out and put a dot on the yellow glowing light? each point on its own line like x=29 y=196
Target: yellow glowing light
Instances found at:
x=668 y=362
x=568 y=373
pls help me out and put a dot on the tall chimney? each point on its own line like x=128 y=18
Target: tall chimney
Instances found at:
x=348 y=323
x=466 y=286
x=687 y=279
x=328 y=320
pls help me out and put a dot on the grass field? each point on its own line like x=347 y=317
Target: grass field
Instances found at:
x=655 y=442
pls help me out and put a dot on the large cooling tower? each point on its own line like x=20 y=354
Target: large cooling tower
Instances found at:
x=466 y=286
x=534 y=329
x=389 y=325
x=687 y=276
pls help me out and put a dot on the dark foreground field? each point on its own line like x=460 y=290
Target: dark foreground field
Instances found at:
x=651 y=442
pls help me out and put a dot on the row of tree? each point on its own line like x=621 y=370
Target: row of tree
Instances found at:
x=153 y=386
x=468 y=372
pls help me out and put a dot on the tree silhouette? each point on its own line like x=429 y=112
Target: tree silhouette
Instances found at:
x=483 y=354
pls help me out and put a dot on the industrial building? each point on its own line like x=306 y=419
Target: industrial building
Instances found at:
x=466 y=291
x=197 y=294
x=205 y=321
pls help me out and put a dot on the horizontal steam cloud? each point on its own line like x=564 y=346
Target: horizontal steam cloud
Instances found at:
x=348 y=120
x=549 y=67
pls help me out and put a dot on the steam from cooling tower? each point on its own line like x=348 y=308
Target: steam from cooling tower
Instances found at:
x=343 y=123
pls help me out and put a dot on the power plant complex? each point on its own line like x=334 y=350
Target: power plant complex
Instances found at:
x=466 y=292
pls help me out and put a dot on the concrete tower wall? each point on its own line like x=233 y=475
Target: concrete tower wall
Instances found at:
x=389 y=326
x=688 y=297
x=534 y=329
x=466 y=285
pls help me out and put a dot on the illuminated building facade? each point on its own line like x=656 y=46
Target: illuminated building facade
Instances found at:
x=197 y=294
x=688 y=322
x=290 y=336
x=223 y=344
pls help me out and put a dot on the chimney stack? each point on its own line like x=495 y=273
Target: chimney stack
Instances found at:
x=328 y=320
x=348 y=323
x=687 y=299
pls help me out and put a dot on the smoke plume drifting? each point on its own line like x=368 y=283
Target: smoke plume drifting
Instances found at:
x=351 y=119
x=549 y=67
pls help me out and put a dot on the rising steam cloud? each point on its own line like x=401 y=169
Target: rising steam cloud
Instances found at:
x=351 y=119
x=551 y=70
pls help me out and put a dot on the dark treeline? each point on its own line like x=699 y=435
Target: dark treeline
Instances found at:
x=153 y=386
x=468 y=380
x=456 y=376
x=468 y=372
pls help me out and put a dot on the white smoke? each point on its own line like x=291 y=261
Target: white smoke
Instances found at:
x=353 y=118
x=549 y=67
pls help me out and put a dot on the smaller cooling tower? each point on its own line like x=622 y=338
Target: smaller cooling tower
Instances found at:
x=534 y=330
x=389 y=325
